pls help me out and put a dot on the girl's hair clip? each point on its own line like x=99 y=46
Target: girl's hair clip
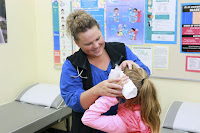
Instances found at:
x=143 y=80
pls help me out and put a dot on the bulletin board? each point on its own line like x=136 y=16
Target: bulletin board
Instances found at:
x=177 y=59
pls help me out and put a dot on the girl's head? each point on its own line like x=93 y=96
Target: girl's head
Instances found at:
x=146 y=97
x=80 y=21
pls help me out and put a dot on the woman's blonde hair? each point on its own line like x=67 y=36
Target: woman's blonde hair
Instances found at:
x=80 y=21
x=147 y=98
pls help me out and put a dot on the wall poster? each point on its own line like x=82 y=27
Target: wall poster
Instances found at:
x=93 y=7
x=3 y=23
x=161 y=21
x=62 y=44
x=190 y=28
x=145 y=54
x=125 y=21
x=192 y=63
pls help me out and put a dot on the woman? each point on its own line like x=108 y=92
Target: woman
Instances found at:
x=139 y=114
x=85 y=73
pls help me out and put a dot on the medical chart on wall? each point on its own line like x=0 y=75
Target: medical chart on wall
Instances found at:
x=125 y=21
x=144 y=53
x=161 y=21
x=98 y=15
x=93 y=7
x=160 y=57
x=190 y=28
x=62 y=43
x=193 y=63
x=3 y=23
x=77 y=4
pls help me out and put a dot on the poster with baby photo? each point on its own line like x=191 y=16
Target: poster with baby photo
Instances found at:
x=3 y=22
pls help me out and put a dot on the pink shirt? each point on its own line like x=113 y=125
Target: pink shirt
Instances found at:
x=125 y=121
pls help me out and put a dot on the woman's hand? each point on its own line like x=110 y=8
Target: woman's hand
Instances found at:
x=108 y=88
x=105 y=88
x=128 y=63
x=111 y=87
x=123 y=80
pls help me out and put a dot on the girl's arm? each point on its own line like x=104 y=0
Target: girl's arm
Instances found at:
x=93 y=116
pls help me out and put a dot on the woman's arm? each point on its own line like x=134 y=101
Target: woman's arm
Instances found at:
x=76 y=97
x=93 y=116
x=71 y=87
x=132 y=59
x=104 y=88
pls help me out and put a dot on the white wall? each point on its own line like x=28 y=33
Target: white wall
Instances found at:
x=28 y=56
x=45 y=49
x=171 y=90
x=18 y=56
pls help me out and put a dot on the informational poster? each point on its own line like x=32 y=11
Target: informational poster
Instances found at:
x=193 y=63
x=62 y=44
x=144 y=53
x=125 y=21
x=160 y=57
x=98 y=15
x=161 y=21
x=3 y=23
x=77 y=4
x=89 y=3
x=93 y=7
x=190 y=27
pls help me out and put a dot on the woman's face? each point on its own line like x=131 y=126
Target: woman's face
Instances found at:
x=91 y=42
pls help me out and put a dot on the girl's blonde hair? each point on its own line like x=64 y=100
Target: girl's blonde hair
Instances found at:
x=147 y=98
x=80 y=21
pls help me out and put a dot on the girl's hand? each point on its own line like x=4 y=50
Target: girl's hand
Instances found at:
x=128 y=63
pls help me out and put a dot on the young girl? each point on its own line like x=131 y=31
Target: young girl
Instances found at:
x=136 y=115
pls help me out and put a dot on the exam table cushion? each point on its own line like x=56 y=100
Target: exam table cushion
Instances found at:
x=18 y=117
x=183 y=116
x=167 y=130
x=42 y=94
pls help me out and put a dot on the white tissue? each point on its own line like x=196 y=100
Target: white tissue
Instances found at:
x=114 y=73
x=129 y=89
